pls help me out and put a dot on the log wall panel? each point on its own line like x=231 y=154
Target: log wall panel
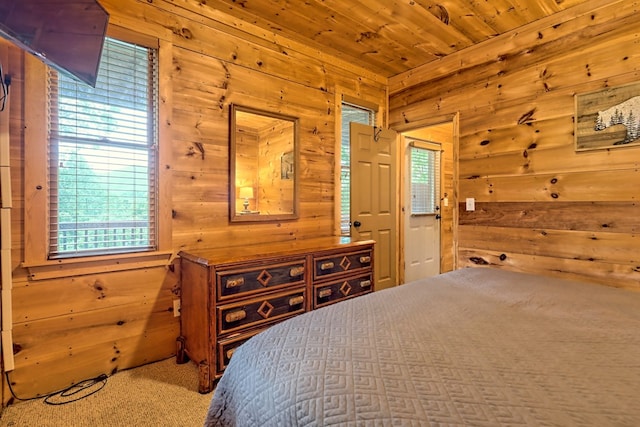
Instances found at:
x=616 y=217
x=614 y=248
x=615 y=275
x=536 y=135
x=76 y=327
x=611 y=185
x=60 y=370
x=541 y=206
x=65 y=335
x=40 y=299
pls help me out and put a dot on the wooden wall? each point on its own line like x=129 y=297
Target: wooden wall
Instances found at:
x=275 y=194
x=541 y=206
x=75 y=326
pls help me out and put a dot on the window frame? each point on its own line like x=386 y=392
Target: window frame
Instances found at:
x=70 y=136
x=436 y=149
x=36 y=176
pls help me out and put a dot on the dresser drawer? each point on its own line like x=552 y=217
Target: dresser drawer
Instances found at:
x=249 y=280
x=226 y=347
x=259 y=311
x=331 y=265
x=337 y=290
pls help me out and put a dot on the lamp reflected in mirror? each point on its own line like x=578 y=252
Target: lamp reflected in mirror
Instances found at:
x=246 y=193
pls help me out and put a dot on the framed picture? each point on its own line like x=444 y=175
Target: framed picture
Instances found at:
x=608 y=118
x=286 y=165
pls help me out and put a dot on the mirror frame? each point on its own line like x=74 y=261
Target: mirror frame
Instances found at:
x=235 y=216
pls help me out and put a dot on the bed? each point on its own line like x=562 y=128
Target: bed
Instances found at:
x=476 y=346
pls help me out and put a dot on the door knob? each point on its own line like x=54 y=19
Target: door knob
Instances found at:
x=357 y=224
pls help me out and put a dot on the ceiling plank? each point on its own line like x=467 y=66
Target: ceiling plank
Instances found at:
x=387 y=37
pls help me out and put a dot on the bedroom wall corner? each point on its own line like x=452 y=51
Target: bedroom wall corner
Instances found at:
x=541 y=206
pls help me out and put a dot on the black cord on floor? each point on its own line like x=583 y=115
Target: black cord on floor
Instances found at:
x=70 y=392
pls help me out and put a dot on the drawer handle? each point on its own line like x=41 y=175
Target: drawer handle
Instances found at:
x=236 y=281
x=324 y=293
x=230 y=352
x=234 y=316
x=365 y=283
x=326 y=265
x=365 y=259
x=296 y=271
x=296 y=300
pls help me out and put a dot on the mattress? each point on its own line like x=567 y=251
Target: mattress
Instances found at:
x=477 y=346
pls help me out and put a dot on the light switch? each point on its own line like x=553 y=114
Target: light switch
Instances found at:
x=471 y=204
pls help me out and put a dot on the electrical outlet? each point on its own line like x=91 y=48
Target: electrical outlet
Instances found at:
x=471 y=204
x=176 y=307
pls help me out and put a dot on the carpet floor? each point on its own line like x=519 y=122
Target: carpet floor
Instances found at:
x=159 y=394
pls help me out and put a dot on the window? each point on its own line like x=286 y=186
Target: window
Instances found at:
x=425 y=179
x=350 y=113
x=103 y=156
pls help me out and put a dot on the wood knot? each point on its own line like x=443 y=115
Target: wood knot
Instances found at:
x=478 y=260
x=98 y=286
x=503 y=257
x=367 y=35
x=526 y=117
x=442 y=14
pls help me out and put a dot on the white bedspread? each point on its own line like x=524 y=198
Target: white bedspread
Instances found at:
x=477 y=346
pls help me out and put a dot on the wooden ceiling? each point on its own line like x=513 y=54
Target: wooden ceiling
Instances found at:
x=389 y=37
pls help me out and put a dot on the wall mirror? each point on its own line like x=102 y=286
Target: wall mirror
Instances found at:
x=263 y=164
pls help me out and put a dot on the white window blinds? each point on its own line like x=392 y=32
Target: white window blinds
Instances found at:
x=425 y=179
x=102 y=150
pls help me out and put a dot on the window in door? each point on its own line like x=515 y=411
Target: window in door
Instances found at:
x=425 y=180
x=103 y=156
x=350 y=113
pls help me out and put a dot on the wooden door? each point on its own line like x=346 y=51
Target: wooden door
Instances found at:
x=421 y=225
x=373 y=196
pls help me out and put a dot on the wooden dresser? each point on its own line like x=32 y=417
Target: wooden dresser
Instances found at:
x=229 y=295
